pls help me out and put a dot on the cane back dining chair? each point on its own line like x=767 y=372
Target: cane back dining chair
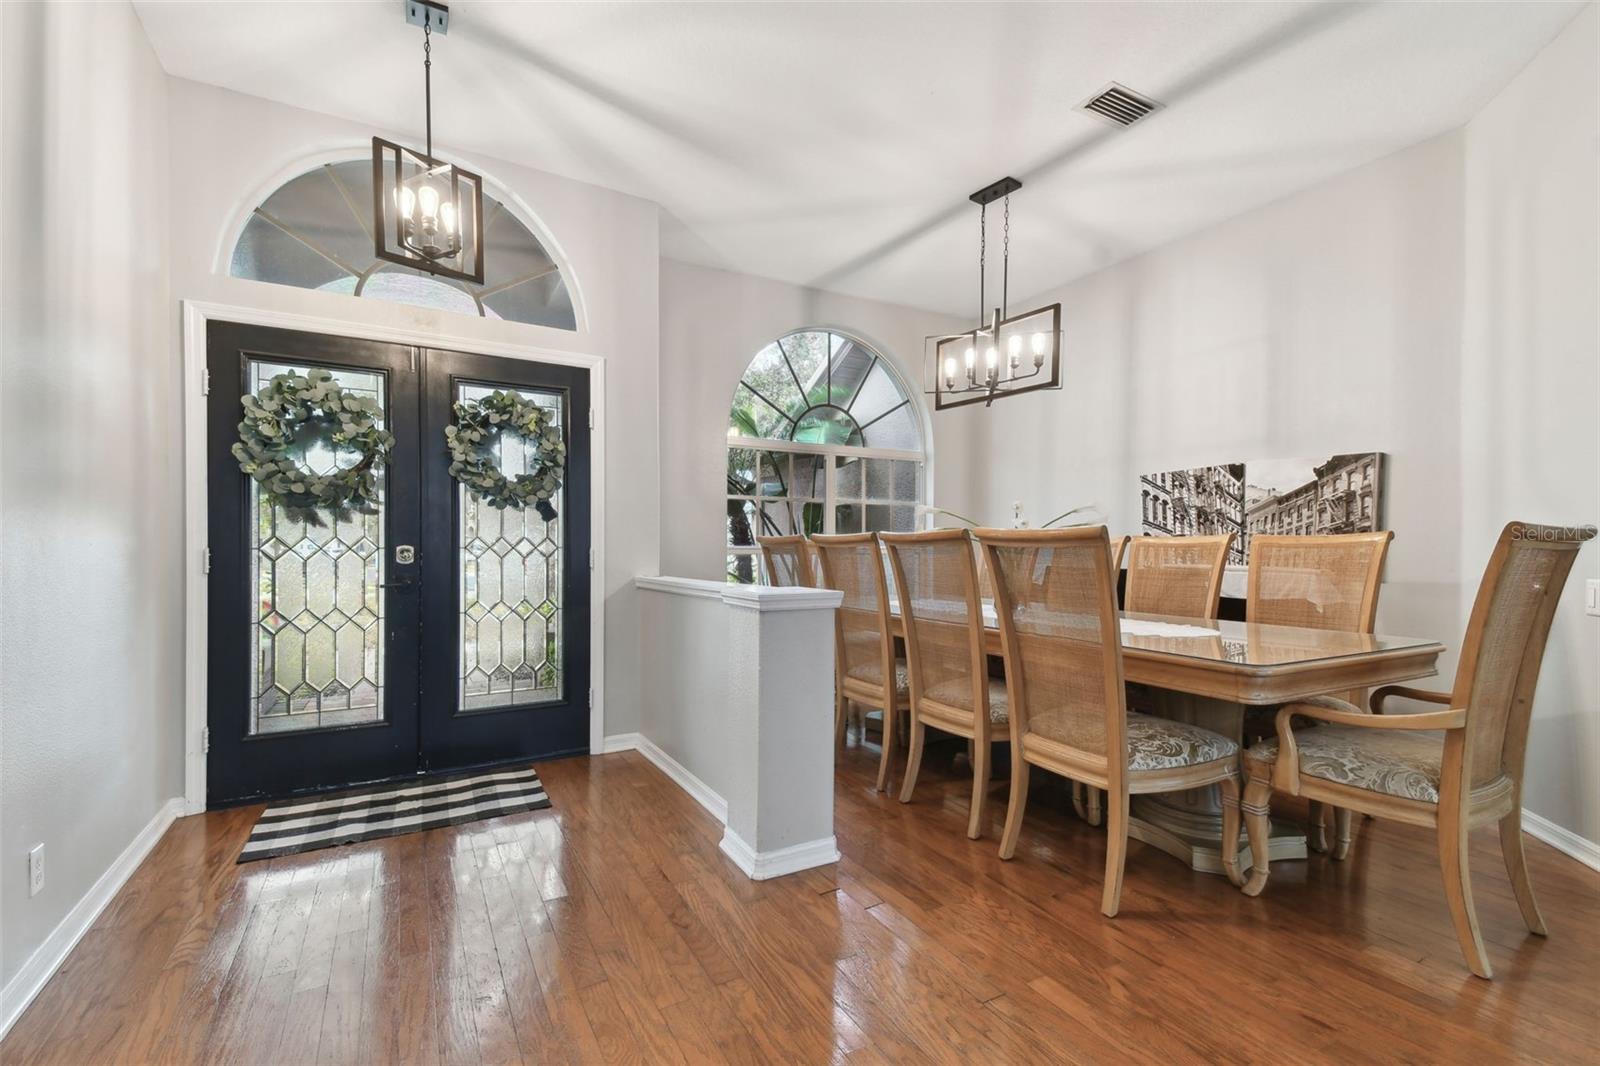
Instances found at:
x=1062 y=645
x=1085 y=800
x=1400 y=766
x=788 y=561
x=1318 y=582
x=941 y=608
x=1176 y=575
x=1119 y=548
x=866 y=669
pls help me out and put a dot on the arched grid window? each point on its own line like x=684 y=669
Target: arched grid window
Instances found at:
x=822 y=438
x=315 y=232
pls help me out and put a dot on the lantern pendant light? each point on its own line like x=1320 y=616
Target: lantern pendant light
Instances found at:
x=427 y=214
x=1005 y=354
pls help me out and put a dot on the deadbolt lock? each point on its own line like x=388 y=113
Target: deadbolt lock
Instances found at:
x=405 y=554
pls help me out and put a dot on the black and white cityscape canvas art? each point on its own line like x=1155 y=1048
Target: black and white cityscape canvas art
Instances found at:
x=1302 y=496
x=1331 y=494
x=1198 y=502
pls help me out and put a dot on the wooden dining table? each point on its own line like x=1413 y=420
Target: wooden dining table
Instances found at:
x=1209 y=672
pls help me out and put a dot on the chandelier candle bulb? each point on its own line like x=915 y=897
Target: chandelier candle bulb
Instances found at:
x=1015 y=346
x=950 y=372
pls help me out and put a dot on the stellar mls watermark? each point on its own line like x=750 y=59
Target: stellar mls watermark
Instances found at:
x=1553 y=533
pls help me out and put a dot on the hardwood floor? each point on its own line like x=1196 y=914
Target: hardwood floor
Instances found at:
x=612 y=928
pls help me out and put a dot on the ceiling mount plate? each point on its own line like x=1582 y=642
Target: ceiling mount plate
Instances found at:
x=428 y=14
x=990 y=193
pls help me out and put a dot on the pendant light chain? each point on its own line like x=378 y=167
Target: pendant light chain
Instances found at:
x=427 y=84
x=1005 y=270
x=983 y=250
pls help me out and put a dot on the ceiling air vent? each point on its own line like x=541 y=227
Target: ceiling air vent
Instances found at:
x=1118 y=105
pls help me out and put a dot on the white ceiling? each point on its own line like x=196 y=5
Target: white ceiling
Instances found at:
x=835 y=144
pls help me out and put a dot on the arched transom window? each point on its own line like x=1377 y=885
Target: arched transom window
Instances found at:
x=315 y=232
x=822 y=438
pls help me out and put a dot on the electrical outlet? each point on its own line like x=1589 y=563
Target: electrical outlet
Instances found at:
x=1591 y=597
x=36 y=870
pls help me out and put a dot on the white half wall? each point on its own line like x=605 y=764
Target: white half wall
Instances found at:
x=740 y=712
x=91 y=652
x=683 y=649
x=227 y=148
x=713 y=323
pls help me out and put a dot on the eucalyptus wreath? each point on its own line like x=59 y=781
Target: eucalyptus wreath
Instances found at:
x=294 y=411
x=479 y=424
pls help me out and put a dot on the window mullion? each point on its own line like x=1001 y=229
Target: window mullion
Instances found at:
x=830 y=493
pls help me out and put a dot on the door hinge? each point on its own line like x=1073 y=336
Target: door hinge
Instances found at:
x=205 y=560
x=591 y=558
x=205 y=740
x=591 y=699
x=591 y=418
x=205 y=382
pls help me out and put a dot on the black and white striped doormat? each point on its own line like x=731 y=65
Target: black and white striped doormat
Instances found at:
x=390 y=810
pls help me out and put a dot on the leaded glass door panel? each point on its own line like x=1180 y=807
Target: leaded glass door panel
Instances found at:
x=320 y=614
x=509 y=566
x=506 y=669
x=312 y=669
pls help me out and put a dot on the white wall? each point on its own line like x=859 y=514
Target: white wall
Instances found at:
x=1437 y=305
x=1530 y=391
x=713 y=323
x=90 y=592
x=227 y=148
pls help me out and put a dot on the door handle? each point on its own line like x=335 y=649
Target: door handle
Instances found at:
x=399 y=583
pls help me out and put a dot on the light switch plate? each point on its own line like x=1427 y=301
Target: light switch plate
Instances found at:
x=1591 y=596
x=35 y=870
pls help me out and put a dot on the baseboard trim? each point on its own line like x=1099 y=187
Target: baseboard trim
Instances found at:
x=698 y=790
x=620 y=742
x=765 y=865
x=1562 y=839
x=758 y=866
x=48 y=957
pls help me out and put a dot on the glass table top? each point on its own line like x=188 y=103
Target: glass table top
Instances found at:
x=1243 y=643
x=1254 y=644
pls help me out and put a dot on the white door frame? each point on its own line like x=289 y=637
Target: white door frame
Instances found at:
x=196 y=314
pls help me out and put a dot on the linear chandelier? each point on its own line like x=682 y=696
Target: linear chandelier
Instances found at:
x=427 y=214
x=1007 y=354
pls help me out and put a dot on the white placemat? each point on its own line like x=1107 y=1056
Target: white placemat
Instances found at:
x=1141 y=627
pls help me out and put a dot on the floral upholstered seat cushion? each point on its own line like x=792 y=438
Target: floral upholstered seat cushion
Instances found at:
x=1153 y=743
x=1391 y=761
x=872 y=674
x=958 y=693
x=1161 y=744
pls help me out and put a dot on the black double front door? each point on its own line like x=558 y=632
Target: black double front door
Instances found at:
x=436 y=634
